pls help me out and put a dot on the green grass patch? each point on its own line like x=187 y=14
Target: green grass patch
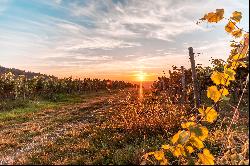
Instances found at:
x=13 y=110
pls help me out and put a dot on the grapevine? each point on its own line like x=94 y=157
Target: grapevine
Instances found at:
x=190 y=140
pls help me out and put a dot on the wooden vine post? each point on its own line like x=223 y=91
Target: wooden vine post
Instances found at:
x=194 y=79
x=183 y=85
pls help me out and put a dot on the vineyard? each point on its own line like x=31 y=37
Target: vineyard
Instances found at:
x=193 y=116
x=173 y=87
x=19 y=87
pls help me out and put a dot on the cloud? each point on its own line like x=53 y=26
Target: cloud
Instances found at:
x=77 y=60
x=57 y=1
x=108 y=35
x=138 y=19
x=3 y=5
x=97 y=43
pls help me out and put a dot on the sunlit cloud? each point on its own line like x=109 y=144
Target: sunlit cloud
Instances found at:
x=111 y=37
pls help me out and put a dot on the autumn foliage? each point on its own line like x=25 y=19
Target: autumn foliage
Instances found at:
x=190 y=139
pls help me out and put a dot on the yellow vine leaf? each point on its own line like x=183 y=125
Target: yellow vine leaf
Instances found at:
x=206 y=157
x=187 y=124
x=201 y=111
x=176 y=137
x=164 y=161
x=220 y=13
x=150 y=153
x=192 y=118
x=225 y=81
x=179 y=150
x=166 y=147
x=181 y=137
x=230 y=26
x=145 y=156
x=214 y=16
x=159 y=155
x=220 y=78
x=233 y=52
x=213 y=93
x=236 y=16
x=211 y=114
x=224 y=91
x=234 y=45
x=196 y=142
x=237 y=33
x=230 y=73
x=234 y=65
x=243 y=64
x=190 y=149
x=204 y=135
x=239 y=56
x=199 y=131
x=216 y=77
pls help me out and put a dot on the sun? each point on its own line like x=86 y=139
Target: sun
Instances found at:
x=141 y=77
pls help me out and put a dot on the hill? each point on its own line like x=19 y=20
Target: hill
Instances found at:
x=17 y=72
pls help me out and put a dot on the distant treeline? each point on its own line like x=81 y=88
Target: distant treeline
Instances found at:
x=18 y=72
x=18 y=84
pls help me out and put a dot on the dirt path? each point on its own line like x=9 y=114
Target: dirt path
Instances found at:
x=18 y=141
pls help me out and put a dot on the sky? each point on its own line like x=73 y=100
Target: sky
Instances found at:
x=115 y=39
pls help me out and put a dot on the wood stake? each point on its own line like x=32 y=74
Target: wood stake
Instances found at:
x=183 y=85
x=194 y=78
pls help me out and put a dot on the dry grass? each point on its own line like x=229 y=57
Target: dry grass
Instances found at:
x=110 y=129
x=147 y=115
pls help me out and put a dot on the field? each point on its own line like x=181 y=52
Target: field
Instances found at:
x=89 y=129
x=124 y=82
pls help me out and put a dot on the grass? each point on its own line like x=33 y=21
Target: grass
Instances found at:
x=16 y=108
x=104 y=148
x=77 y=134
x=78 y=130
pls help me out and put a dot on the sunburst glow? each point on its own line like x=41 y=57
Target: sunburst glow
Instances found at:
x=141 y=76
